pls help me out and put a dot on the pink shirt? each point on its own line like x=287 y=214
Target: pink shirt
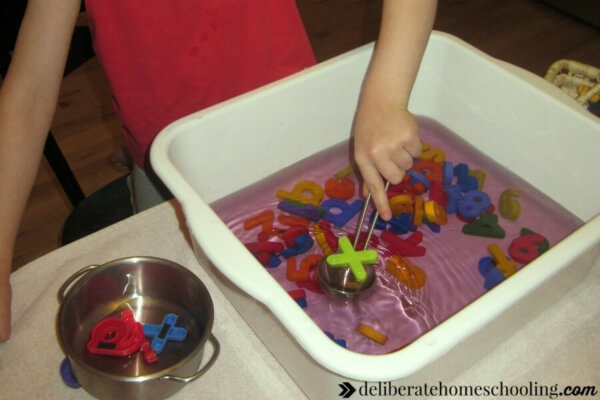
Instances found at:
x=165 y=59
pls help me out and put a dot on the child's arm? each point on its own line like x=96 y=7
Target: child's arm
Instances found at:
x=386 y=134
x=28 y=98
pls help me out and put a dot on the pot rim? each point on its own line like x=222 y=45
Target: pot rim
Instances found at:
x=142 y=378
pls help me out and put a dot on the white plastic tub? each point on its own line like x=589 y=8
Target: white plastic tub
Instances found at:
x=509 y=114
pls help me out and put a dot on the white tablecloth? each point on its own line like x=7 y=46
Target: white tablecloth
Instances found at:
x=561 y=346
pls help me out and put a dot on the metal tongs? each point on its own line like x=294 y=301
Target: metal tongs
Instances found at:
x=342 y=281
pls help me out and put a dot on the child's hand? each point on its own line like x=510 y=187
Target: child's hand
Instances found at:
x=5 y=297
x=386 y=139
x=385 y=133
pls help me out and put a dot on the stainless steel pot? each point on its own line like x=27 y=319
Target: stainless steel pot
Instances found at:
x=151 y=288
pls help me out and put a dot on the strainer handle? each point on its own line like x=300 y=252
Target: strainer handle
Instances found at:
x=62 y=292
x=216 y=349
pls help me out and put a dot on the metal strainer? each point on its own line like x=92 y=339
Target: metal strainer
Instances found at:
x=341 y=282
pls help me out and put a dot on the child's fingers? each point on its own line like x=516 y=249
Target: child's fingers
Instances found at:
x=375 y=185
x=403 y=160
x=390 y=171
x=381 y=203
x=414 y=147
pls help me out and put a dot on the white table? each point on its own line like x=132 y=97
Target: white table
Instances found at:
x=561 y=346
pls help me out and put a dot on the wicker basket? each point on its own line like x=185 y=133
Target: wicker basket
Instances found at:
x=580 y=81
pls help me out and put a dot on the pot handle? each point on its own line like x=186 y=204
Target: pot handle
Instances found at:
x=216 y=349
x=62 y=292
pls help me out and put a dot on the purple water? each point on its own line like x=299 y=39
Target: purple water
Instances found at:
x=451 y=259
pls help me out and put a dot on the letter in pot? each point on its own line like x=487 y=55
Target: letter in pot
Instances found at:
x=151 y=288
